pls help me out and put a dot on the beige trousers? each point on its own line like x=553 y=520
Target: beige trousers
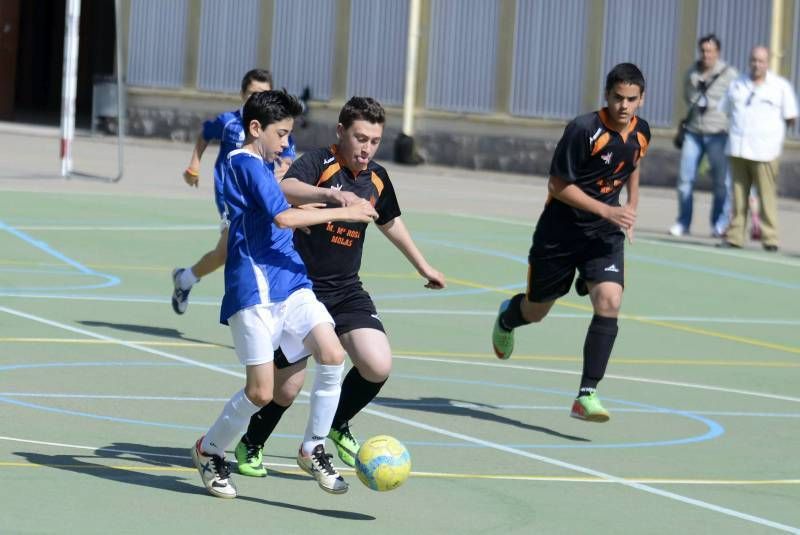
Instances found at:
x=764 y=175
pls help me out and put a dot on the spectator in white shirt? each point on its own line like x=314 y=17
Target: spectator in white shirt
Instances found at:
x=760 y=105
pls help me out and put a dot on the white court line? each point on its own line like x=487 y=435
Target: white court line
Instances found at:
x=440 y=431
x=418 y=311
x=608 y=375
x=131 y=228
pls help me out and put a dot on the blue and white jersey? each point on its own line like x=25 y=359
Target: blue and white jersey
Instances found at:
x=228 y=129
x=262 y=266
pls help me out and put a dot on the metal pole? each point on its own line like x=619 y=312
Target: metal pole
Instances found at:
x=776 y=37
x=121 y=111
x=412 y=49
x=69 y=83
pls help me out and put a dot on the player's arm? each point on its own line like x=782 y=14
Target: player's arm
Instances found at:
x=632 y=187
x=310 y=214
x=299 y=193
x=192 y=173
x=568 y=193
x=397 y=233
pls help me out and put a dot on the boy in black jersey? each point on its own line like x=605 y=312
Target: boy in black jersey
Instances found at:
x=582 y=228
x=343 y=173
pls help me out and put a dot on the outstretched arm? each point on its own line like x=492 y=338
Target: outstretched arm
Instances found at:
x=398 y=234
x=311 y=214
x=298 y=193
x=192 y=173
x=633 y=198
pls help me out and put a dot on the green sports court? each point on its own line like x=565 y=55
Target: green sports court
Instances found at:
x=103 y=389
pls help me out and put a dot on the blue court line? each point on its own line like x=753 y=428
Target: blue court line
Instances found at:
x=714 y=429
x=111 y=280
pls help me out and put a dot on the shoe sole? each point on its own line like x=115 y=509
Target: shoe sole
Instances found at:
x=175 y=304
x=596 y=418
x=209 y=489
x=319 y=484
x=251 y=474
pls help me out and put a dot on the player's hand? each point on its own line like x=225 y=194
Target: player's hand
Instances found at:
x=435 y=278
x=191 y=177
x=281 y=166
x=629 y=232
x=622 y=216
x=344 y=198
x=362 y=212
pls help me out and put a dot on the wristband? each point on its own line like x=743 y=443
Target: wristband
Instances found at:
x=192 y=173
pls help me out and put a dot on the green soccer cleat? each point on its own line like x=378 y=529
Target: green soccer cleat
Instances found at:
x=249 y=459
x=589 y=408
x=346 y=445
x=502 y=340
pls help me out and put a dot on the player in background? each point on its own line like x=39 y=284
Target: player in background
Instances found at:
x=228 y=129
x=268 y=299
x=583 y=227
x=341 y=173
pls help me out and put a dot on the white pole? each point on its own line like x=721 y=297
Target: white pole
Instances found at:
x=69 y=83
x=412 y=48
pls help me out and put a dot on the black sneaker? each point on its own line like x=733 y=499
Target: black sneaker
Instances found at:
x=180 y=297
x=318 y=464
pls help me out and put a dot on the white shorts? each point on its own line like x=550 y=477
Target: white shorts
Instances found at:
x=260 y=329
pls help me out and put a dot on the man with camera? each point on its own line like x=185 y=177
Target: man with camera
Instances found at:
x=704 y=132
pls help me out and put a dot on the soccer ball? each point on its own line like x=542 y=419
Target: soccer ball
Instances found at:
x=383 y=463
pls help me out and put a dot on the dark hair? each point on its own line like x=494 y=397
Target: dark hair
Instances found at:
x=626 y=73
x=268 y=107
x=362 y=109
x=256 y=75
x=710 y=38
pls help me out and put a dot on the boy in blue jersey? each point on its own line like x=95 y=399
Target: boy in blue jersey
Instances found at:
x=227 y=128
x=583 y=228
x=268 y=300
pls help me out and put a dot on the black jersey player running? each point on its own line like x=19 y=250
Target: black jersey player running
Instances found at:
x=340 y=174
x=582 y=228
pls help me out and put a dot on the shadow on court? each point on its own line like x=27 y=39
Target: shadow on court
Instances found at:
x=162 y=332
x=176 y=483
x=469 y=409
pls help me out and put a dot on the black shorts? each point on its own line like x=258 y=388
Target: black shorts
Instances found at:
x=351 y=309
x=552 y=264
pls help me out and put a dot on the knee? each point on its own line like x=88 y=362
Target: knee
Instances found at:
x=259 y=395
x=377 y=371
x=608 y=304
x=333 y=356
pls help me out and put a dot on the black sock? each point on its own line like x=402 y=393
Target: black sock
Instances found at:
x=263 y=423
x=597 y=350
x=357 y=392
x=512 y=317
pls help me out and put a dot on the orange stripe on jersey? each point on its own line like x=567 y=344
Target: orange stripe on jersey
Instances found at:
x=642 y=144
x=328 y=173
x=601 y=142
x=619 y=167
x=378 y=183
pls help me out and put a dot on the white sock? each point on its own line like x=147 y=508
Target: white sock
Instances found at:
x=187 y=279
x=324 y=400
x=231 y=423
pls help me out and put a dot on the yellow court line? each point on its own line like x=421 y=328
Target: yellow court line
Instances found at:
x=444 y=354
x=668 y=325
x=434 y=475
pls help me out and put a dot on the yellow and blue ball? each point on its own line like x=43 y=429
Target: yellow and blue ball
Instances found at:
x=383 y=463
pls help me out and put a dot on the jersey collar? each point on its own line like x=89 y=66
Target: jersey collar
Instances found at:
x=606 y=120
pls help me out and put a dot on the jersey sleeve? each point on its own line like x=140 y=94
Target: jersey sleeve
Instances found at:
x=789 y=104
x=387 y=206
x=263 y=188
x=213 y=129
x=572 y=150
x=305 y=169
